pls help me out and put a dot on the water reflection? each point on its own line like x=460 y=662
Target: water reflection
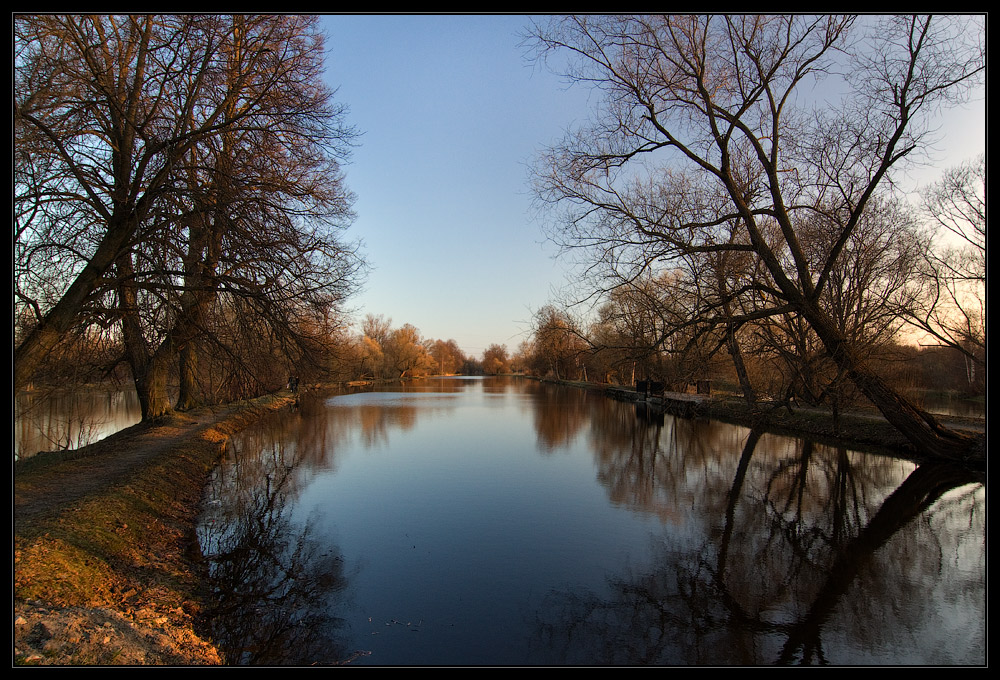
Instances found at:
x=53 y=420
x=521 y=523
x=806 y=548
x=859 y=556
x=275 y=582
x=559 y=415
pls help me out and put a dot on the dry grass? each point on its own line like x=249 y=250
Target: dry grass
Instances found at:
x=104 y=540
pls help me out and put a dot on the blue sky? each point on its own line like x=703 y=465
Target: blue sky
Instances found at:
x=452 y=113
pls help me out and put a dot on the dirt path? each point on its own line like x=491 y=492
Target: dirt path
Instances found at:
x=44 y=488
x=107 y=569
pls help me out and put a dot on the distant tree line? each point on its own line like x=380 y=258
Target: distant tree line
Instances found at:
x=383 y=352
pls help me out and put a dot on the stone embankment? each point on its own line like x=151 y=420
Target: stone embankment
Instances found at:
x=855 y=428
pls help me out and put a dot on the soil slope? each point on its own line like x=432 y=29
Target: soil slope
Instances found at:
x=107 y=568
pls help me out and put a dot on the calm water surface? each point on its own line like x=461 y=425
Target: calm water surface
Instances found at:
x=70 y=419
x=510 y=522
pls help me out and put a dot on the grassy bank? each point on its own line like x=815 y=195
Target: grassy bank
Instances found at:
x=107 y=568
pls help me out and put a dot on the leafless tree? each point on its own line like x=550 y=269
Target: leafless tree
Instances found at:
x=202 y=158
x=696 y=107
x=951 y=307
x=95 y=108
x=658 y=325
x=869 y=286
x=559 y=343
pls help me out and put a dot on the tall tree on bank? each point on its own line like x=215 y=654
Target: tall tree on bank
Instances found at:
x=263 y=228
x=248 y=199
x=97 y=99
x=698 y=106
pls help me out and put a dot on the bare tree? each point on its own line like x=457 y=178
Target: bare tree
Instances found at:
x=868 y=287
x=97 y=99
x=216 y=140
x=951 y=306
x=559 y=344
x=700 y=106
x=659 y=325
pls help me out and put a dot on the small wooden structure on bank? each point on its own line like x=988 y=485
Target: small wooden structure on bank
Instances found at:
x=654 y=388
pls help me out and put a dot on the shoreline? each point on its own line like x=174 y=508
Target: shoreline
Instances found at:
x=107 y=567
x=853 y=429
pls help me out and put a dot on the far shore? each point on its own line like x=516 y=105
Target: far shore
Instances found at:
x=855 y=428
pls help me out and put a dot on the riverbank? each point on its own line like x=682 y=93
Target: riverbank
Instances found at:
x=853 y=429
x=107 y=569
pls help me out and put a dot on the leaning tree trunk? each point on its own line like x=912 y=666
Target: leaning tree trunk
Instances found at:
x=926 y=434
x=741 y=370
x=31 y=352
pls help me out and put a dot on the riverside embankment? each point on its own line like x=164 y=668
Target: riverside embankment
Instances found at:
x=107 y=568
x=850 y=428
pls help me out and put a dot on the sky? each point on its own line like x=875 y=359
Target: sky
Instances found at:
x=452 y=113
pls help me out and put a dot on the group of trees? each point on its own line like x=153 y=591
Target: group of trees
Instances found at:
x=897 y=277
x=951 y=305
x=735 y=191
x=383 y=352
x=179 y=204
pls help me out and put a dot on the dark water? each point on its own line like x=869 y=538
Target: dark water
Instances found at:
x=508 y=522
x=949 y=404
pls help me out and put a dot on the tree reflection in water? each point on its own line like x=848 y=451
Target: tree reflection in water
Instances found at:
x=764 y=549
x=927 y=484
x=805 y=543
x=274 y=584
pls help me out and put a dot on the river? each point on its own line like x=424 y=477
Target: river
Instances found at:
x=504 y=521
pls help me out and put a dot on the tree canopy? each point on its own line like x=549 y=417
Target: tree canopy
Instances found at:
x=180 y=176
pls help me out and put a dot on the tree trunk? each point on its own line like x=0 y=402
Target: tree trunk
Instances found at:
x=741 y=369
x=149 y=369
x=189 y=327
x=150 y=379
x=926 y=434
x=47 y=334
x=188 y=396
